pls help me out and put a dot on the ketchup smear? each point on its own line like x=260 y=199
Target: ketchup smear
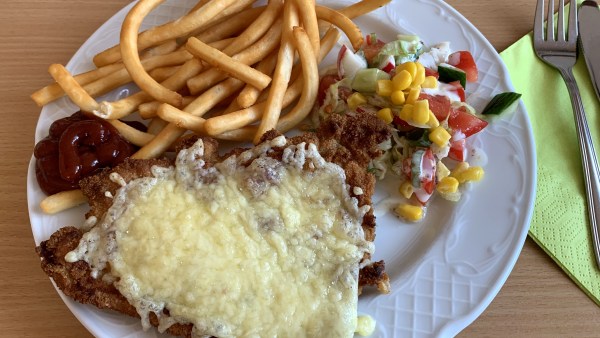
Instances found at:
x=78 y=146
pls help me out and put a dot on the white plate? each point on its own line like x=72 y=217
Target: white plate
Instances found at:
x=444 y=271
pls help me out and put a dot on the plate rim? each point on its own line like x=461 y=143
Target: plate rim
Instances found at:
x=455 y=325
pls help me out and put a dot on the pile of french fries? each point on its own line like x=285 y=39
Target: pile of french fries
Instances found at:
x=242 y=65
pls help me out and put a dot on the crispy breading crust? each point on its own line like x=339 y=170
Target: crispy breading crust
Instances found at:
x=349 y=141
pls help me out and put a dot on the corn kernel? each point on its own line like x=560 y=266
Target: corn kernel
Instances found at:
x=410 y=67
x=420 y=113
x=430 y=82
x=448 y=185
x=441 y=171
x=413 y=95
x=386 y=115
x=406 y=112
x=398 y=97
x=409 y=212
x=406 y=189
x=439 y=136
x=384 y=87
x=459 y=170
x=433 y=121
x=356 y=100
x=402 y=80
x=419 y=77
x=472 y=174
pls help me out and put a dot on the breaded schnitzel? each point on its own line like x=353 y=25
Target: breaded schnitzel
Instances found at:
x=350 y=142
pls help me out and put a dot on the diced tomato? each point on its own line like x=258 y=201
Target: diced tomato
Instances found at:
x=460 y=91
x=461 y=120
x=422 y=196
x=428 y=172
x=431 y=72
x=402 y=125
x=458 y=150
x=440 y=105
x=372 y=50
x=371 y=39
x=464 y=60
x=326 y=82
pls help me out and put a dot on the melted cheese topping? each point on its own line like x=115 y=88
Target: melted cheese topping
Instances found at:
x=270 y=249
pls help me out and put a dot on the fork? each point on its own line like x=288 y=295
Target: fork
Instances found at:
x=560 y=52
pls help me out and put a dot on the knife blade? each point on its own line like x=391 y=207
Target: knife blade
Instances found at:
x=589 y=33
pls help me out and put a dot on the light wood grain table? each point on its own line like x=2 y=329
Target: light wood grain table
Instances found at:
x=537 y=300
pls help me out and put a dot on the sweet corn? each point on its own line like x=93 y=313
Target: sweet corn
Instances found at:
x=409 y=212
x=430 y=82
x=433 y=121
x=472 y=174
x=406 y=112
x=386 y=115
x=439 y=136
x=384 y=88
x=356 y=100
x=406 y=189
x=419 y=77
x=459 y=170
x=420 y=114
x=447 y=185
x=398 y=97
x=402 y=80
x=410 y=67
x=413 y=95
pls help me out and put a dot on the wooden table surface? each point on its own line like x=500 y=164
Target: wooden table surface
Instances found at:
x=538 y=299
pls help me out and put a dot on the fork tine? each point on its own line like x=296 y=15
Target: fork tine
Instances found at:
x=550 y=19
x=538 y=25
x=560 y=31
x=573 y=32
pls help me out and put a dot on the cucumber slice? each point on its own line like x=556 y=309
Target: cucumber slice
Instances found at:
x=501 y=103
x=365 y=80
x=450 y=73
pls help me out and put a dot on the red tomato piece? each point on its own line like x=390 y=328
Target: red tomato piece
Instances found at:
x=464 y=60
x=458 y=150
x=431 y=72
x=428 y=172
x=326 y=82
x=371 y=51
x=402 y=125
x=461 y=120
x=440 y=105
x=460 y=91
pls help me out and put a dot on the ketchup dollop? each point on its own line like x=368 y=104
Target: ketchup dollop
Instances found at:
x=77 y=146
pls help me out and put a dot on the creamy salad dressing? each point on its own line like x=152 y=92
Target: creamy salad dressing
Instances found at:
x=443 y=89
x=266 y=249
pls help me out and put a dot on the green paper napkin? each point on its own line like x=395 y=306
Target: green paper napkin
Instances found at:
x=560 y=222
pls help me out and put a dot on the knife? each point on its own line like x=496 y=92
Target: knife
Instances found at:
x=589 y=33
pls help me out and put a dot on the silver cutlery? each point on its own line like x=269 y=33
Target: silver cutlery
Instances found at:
x=560 y=52
x=589 y=31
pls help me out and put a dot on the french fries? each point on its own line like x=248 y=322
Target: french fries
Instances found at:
x=238 y=62
x=131 y=58
x=231 y=66
x=344 y=23
x=281 y=76
x=62 y=201
x=79 y=96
